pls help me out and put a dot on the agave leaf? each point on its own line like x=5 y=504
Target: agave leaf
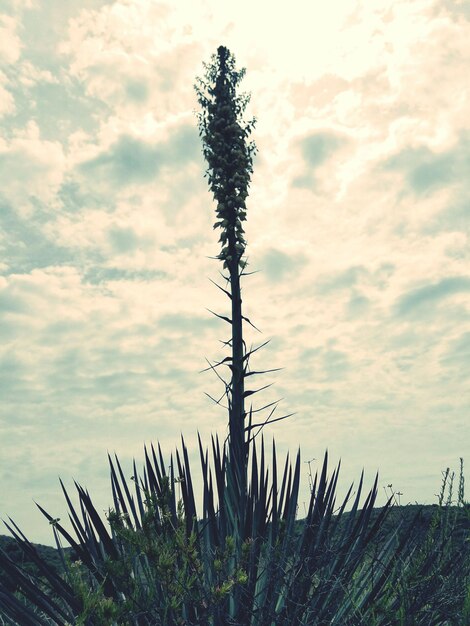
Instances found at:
x=209 y=515
x=81 y=549
x=12 y=607
x=79 y=529
x=154 y=477
x=188 y=490
x=161 y=470
x=284 y=485
x=171 y=492
x=129 y=497
x=30 y=587
x=138 y=494
x=104 y=537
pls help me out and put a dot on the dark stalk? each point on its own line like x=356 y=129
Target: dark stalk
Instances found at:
x=229 y=155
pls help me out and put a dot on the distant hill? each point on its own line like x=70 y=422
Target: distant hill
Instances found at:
x=397 y=514
x=13 y=550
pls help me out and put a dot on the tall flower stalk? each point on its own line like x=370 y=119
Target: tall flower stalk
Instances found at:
x=229 y=156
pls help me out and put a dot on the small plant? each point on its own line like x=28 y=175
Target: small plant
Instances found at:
x=431 y=585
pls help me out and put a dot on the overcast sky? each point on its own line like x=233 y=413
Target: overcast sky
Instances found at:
x=358 y=220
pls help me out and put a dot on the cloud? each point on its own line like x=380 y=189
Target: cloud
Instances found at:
x=426 y=171
x=28 y=157
x=456 y=8
x=341 y=280
x=24 y=242
x=97 y=275
x=66 y=355
x=13 y=302
x=315 y=149
x=454 y=217
x=432 y=172
x=363 y=286
x=457 y=355
x=137 y=90
x=75 y=199
x=427 y=297
x=277 y=264
x=133 y=57
x=322 y=370
x=357 y=305
x=336 y=364
x=128 y=160
x=186 y=324
x=10 y=43
x=123 y=239
x=7 y=101
x=319 y=93
x=131 y=160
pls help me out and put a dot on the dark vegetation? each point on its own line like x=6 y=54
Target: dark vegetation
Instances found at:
x=399 y=520
x=433 y=588
x=12 y=550
x=243 y=557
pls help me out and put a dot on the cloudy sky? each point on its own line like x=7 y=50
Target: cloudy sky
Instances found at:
x=358 y=222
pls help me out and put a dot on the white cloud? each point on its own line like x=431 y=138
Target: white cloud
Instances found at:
x=10 y=43
x=133 y=56
x=26 y=157
x=7 y=101
x=30 y=75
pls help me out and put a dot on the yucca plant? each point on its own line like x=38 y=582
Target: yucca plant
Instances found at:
x=157 y=561
x=243 y=558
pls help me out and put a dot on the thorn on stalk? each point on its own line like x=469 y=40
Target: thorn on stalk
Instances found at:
x=226 y=343
x=213 y=365
x=251 y=324
x=269 y=421
x=222 y=317
x=217 y=401
x=217 y=373
x=275 y=369
x=252 y=351
x=221 y=288
x=248 y=273
x=266 y=406
x=251 y=392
